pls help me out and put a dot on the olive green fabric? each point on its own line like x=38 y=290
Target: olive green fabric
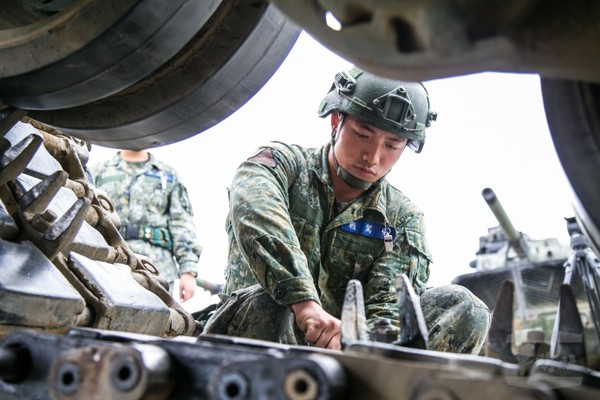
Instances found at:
x=285 y=232
x=252 y=313
x=456 y=320
x=150 y=196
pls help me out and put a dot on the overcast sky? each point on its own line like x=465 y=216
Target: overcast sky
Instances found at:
x=491 y=132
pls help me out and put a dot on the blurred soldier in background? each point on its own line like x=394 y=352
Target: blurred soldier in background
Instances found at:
x=156 y=214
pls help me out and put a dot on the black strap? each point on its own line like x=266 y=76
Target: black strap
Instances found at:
x=130 y=231
x=156 y=236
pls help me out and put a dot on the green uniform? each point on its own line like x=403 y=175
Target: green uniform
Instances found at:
x=299 y=245
x=155 y=211
x=288 y=234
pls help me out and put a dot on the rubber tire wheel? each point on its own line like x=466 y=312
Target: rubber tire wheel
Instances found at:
x=91 y=49
x=222 y=67
x=574 y=120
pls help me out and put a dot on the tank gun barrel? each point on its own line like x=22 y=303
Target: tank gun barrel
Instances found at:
x=514 y=237
x=515 y=240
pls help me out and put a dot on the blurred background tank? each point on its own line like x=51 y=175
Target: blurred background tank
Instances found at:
x=495 y=250
x=538 y=269
x=504 y=244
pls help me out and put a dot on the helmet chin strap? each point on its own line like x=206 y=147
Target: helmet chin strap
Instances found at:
x=346 y=176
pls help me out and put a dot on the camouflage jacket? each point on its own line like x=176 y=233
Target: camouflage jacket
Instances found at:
x=150 y=196
x=286 y=234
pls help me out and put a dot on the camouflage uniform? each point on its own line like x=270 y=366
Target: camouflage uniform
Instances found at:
x=155 y=211
x=288 y=234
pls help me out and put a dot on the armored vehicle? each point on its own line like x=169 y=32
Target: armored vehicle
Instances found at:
x=539 y=269
x=81 y=316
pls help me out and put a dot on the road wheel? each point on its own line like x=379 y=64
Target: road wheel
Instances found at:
x=232 y=56
x=85 y=50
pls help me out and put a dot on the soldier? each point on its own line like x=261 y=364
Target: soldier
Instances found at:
x=303 y=222
x=156 y=214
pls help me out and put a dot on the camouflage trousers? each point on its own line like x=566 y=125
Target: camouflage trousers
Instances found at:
x=457 y=321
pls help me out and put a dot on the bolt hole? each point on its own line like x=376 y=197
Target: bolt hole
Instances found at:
x=124 y=373
x=232 y=390
x=68 y=378
x=232 y=385
x=301 y=386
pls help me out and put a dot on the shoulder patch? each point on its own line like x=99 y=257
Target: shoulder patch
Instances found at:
x=264 y=157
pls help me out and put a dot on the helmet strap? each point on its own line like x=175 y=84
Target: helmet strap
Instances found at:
x=344 y=175
x=351 y=180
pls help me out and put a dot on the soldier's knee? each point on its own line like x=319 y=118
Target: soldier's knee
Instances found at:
x=252 y=313
x=457 y=320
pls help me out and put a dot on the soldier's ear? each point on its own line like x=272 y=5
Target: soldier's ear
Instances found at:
x=335 y=119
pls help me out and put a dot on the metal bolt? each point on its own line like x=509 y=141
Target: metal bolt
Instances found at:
x=383 y=331
x=41 y=222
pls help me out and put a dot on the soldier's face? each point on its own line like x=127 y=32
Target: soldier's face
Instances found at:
x=367 y=152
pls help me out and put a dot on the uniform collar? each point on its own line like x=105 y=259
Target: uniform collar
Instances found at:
x=373 y=200
x=153 y=161
x=317 y=163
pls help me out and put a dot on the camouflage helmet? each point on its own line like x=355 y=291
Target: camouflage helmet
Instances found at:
x=398 y=107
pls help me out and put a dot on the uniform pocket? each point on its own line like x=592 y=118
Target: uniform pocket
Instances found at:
x=351 y=257
x=418 y=259
x=416 y=241
x=154 y=190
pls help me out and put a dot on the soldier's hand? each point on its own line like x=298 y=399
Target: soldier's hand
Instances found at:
x=320 y=328
x=187 y=286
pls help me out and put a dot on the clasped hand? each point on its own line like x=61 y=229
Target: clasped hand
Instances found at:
x=320 y=328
